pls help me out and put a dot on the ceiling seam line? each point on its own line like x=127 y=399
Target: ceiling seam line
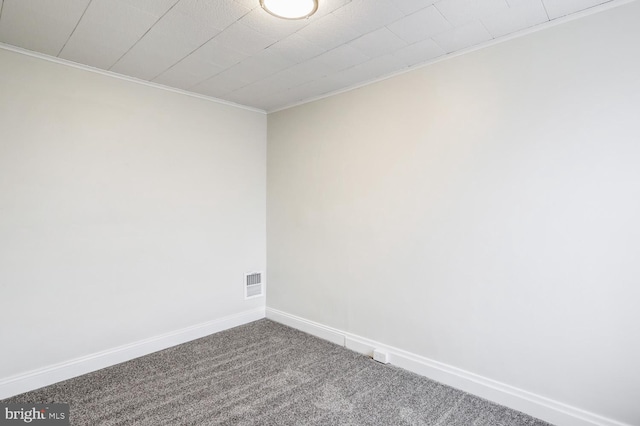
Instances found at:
x=487 y=29
x=194 y=50
x=298 y=63
x=440 y=46
x=211 y=76
x=254 y=82
x=203 y=80
x=142 y=36
x=435 y=6
x=544 y=6
x=75 y=28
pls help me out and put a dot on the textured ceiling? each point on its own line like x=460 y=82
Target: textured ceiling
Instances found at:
x=233 y=50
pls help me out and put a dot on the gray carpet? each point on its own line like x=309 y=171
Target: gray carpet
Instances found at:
x=264 y=373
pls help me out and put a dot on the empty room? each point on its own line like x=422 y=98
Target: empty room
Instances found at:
x=320 y=212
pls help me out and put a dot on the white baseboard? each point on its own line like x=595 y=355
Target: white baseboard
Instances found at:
x=76 y=367
x=310 y=327
x=543 y=408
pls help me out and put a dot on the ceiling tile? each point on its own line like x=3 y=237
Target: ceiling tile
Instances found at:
x=367 y=15
x=256 y=91
x=249 y=4
x=243 y=39
x=217 y=15
x=460 y=12
x=377 y=43
x=153 y=7
x=421 y=25
x=186 y=28
x=314 y=89
x=325 y=7
x=260 y=66
x=271 y=26
x=462 y=37
x=246 y=98
x=328 y=32
x=338 y=59
x=219 y=85
x=180 y=79
x=521 y=14
x=296 y=48
x=188 y=72
x=219 y=54
x=97 y=55
x=558 y=8
x=107 y=30
x=281 y=81
x=297 y=75
x=419 y=52
x=175 y=36
x=410 y=6
x=372 y=69
x=144 y=64
x=40 y=25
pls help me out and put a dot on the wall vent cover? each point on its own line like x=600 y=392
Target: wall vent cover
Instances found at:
x=253 y=285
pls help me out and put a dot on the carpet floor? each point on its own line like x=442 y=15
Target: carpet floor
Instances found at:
x=264 y=373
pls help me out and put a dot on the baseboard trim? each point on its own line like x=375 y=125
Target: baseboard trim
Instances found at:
x=35 y=379
x=310 y=327
x=538 y=406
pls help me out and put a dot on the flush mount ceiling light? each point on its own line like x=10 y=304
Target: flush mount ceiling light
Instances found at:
x=290 y=9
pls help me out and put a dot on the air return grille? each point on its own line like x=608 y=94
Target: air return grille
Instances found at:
x=253 y=285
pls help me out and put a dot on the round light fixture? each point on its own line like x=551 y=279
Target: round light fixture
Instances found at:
x=290 y=9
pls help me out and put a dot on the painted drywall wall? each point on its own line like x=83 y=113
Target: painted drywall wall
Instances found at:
x=481 y=212
x=126 y=211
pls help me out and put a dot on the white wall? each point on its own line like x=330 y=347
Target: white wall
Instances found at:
x=126 y=211
x=483 y=212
